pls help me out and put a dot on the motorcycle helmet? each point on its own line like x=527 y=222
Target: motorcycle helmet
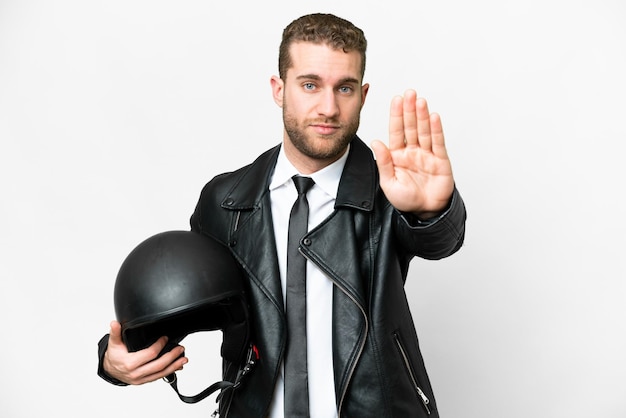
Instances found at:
x=179 y=282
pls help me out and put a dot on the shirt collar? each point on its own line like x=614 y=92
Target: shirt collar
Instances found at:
x=327 y=178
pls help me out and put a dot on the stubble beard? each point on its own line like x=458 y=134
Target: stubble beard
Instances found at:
x=335 y=144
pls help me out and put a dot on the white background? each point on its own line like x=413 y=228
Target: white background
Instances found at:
x=113 y=115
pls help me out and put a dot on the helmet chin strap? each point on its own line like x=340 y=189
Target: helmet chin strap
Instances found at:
x=252 y=358
x=171 y=379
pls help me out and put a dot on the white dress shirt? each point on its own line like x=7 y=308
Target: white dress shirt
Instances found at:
x=319 y=288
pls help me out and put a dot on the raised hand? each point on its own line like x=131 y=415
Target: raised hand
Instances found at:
x=415 y=171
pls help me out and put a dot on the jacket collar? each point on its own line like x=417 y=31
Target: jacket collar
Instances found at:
x=359 y=179
x=357 y=186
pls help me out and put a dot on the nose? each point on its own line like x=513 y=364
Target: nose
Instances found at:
x=327 y=105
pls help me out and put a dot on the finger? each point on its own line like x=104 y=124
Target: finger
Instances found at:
x=439 y=144
x=410 y=118
x=396 y=124
x=151 y=353
x=145 y=365
x=159 y=372
x=165 y=365
x=423 y=125
x=383 y=161
x=166 y=359
x=156 y=369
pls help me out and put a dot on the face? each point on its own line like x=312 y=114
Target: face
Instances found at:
x=321 y=99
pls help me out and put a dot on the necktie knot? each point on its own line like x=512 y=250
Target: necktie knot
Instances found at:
x=303 y=184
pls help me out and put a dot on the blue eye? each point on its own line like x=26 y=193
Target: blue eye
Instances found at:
x=308 y=86
x=345 y=89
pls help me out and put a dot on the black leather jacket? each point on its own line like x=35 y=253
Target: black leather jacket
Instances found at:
x=364 y=247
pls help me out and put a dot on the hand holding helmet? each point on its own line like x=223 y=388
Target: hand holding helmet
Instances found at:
x=171 y=285
x=143 y=366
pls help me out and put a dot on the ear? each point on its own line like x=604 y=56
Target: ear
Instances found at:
x=364 y=89
x=278 y=86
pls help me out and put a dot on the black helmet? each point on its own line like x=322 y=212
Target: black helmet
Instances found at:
x=179 y=282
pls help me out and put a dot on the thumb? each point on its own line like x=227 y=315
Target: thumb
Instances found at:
x=383 y=160
x=115 y=335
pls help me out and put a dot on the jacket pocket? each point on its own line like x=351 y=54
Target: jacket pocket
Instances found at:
x=409 y=370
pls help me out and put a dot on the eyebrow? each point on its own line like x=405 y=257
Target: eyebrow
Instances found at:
x=318 y=78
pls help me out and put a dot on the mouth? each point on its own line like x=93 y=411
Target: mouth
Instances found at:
x=324 y=128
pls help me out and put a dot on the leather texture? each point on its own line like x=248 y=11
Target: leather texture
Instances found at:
x=365 y=247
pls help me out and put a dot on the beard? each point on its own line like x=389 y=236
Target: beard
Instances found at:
x=326 y=147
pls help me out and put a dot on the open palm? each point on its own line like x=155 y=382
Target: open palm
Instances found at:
x=415 y=171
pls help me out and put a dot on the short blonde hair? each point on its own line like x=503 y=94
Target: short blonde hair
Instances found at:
x=320 y=28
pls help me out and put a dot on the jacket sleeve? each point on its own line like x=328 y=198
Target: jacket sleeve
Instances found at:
x=435 y=238
x=102 y=348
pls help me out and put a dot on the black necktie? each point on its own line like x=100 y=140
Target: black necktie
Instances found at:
x=296 y=377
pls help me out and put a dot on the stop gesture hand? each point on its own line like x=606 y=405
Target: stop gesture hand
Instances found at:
x=415 y=172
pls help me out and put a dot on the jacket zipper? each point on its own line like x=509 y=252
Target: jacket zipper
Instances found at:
x=353 y=367
x=407 y=365
x=361 y=347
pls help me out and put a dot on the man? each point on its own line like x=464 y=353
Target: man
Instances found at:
x=367 y=219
